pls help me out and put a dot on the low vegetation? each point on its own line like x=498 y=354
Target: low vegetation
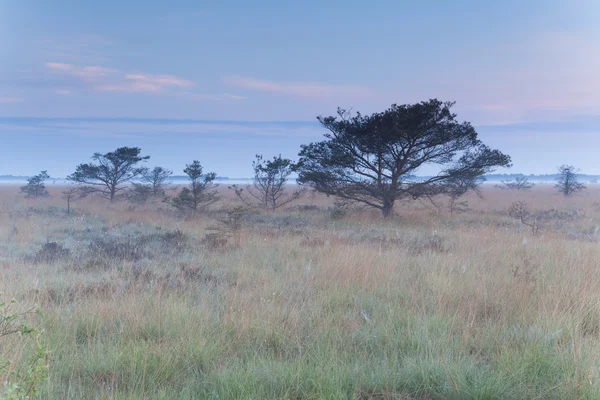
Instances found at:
x=309 y=301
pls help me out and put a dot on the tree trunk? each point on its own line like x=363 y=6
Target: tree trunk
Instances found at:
x=388 y=208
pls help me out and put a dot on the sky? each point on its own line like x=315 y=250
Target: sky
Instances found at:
x=222 y=81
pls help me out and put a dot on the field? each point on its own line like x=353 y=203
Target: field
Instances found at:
x=308 y=303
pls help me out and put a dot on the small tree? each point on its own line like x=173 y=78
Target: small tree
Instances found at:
x=35 y=186
x=270 y=180
x=72 y=194
x=458 y=187
x=519 y=183
x=111 y=171
x=157 y=179
x=519 y=210
x=568 y=183
x=139 y=193
x=200 y=194
x=231 y=224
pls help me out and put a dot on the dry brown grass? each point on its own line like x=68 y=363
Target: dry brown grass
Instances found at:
x=305 y=306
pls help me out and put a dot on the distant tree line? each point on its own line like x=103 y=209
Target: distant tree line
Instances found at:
x=366 y=159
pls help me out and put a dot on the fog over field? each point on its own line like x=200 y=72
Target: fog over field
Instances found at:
x=300 y=200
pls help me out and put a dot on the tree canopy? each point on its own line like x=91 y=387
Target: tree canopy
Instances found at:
x=35 y=186
x=157 y=179
x=268 y=190
x=567 y=182
x=110 y=172
x=372 y=159
x=200 y=194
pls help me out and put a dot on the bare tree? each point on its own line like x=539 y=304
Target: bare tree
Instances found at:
x=519 y=183
x=201 y=192
x=568 y=183
x=112 y=171
x=73 y=193
x=270 y=180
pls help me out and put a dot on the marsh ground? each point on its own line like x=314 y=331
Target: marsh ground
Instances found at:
x=140 y=303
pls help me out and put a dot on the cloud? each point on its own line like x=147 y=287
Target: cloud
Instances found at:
x=139 y=83
x=128 y=128
x=78 y=49
x=233 y=96
x=110 y=80
x=88 y=74
x=59 y=66
x=299 y=89
x=129 y=87
x=160 y=80
x=64 y=92
x=10 y=100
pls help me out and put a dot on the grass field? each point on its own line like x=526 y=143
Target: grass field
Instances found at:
x=139 y=303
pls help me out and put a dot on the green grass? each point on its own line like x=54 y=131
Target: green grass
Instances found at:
x=417 y=308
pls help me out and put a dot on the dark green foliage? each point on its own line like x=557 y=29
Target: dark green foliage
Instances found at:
x=200 y=194
x=35 y=186
x=268 y=189
x=568 y=183
x=140 y=193
x=110 y=172
x=370 y=158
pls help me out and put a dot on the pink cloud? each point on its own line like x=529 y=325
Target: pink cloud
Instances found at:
x=94 y=73
x=159 y=80
x=299 y=89
x=10 y=100
x=102 y=79
x=88 y=74
x=106 y=79
x=138 y=83
x=59 y=66
x=129 y=87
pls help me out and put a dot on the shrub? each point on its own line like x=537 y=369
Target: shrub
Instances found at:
x=24 y=381
x=51 y=252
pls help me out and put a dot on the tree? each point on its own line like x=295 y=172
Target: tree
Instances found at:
x=568 y=183
x=519 y=183
x=458 y=187
x=201 y=192
x=35 y=186
x=72 y=194
x=139 y=193
x=157 y=179
x=370 y=158
x=111 y=172
x=268 y=189
x=519 y=210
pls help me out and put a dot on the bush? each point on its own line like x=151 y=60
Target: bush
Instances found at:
x=24 y=381
x=51 y=252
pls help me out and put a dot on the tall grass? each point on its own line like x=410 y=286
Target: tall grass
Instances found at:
x=426 y=306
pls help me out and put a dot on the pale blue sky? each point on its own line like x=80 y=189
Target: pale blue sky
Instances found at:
x=221 y=81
